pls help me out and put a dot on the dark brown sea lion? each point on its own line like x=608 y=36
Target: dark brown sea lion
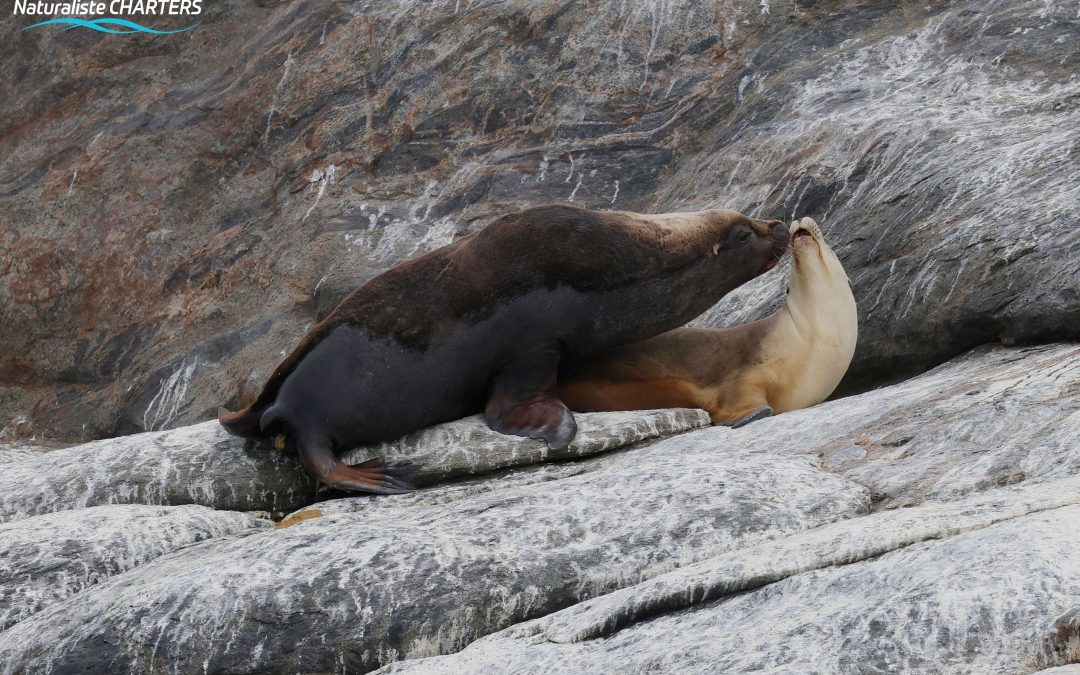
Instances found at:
x=792 y=359
x=484 y=324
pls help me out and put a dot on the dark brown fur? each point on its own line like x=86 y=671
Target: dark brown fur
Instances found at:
x=626 y=276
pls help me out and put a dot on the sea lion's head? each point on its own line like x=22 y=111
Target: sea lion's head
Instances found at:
x=813 y=263
x=753 y=244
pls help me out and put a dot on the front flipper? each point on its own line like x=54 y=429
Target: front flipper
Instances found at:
x=747 y=419
x=523 y=402
x=370 y=476
x=747 y=404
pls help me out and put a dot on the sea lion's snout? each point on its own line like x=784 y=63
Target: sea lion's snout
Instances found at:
x=774 y=239
x=804 y=228
x=778 y=232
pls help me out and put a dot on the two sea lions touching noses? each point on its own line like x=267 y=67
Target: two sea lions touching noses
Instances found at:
x=491 y=323
x=486 y=323
x=792 y=359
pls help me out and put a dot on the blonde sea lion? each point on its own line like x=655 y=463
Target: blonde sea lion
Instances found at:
x=792 y=359
x=485 y=323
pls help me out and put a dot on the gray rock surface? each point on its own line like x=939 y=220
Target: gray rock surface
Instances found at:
x=47 y=558
x=930 y=141
x=210 y=194
x=775 y=546
x=966 y=603
x=837 y=544
x=419 y=575
x=468 y=446
x=992 y=417
x=203 y=464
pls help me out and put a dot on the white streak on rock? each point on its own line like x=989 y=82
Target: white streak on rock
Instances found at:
x=288 y=66
x=163 y=408
x=324 y=179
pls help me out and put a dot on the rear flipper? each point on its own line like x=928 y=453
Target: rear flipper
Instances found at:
x=523 y=402
x=370 y=476
x=240 y=423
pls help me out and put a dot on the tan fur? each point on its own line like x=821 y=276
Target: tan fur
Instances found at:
x=792 y=359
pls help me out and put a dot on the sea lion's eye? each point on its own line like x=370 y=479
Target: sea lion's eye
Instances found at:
x=743 y=236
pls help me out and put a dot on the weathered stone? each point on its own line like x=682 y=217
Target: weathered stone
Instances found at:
x=966 y=603
x=1063 y=642
x=831 y=545
x=13 y=452
x=202 y=464
x=47 y=558
x=423 y=574
x=938 y=166
x=715 y=515
x=468 y=446
x=990 y=418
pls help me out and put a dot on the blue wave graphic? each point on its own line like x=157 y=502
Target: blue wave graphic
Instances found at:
x=101 y=24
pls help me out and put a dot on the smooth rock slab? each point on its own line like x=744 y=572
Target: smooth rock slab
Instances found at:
x=350 y=591
x=50 y=557
x=977 y=602
x=830 y=545
x=468 y=446
x=992 y=417
x=203 y=464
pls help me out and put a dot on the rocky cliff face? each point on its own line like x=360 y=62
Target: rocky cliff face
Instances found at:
x=178 y=210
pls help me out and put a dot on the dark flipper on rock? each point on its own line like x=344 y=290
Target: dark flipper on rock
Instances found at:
x=756 y=415
x=370 y=476
x=523 y=402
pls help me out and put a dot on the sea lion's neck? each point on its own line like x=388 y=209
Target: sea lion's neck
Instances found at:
x=815 y=332
x=819 y=300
